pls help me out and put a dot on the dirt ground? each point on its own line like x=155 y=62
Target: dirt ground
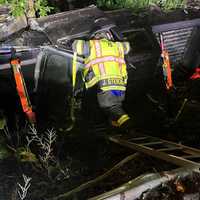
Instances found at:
x=83 y=158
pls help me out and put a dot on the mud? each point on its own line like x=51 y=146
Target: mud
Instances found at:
x=82 y=157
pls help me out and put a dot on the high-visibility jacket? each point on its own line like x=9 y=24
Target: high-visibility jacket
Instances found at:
x=104 y=63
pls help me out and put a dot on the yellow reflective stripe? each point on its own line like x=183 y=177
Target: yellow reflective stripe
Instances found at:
x=113 y=87
x=92 y=82
x=105 y=88
x=74 y=63
x=79 y=47
x=123 y=119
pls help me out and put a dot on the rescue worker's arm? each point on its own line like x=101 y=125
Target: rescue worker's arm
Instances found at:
x=81 y=47
x=126 y=46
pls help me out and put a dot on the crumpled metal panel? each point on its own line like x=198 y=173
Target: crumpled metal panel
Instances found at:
x=175 y=43
x=69 y=23
x=176 y=36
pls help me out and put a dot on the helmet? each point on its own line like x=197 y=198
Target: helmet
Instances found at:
x=101 y=29
x=103 y=34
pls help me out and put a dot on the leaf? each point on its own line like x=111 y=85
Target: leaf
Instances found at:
x=26 y=156
x=2 y=123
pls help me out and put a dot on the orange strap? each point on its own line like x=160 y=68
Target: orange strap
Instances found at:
x=22 y=91
x=167 y=68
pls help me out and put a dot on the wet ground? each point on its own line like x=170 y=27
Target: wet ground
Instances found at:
x=79 y=158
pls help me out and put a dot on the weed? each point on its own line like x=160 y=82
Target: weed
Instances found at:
x=20 y=7
x=45 y=142
x=140 y=4
x=22 y=191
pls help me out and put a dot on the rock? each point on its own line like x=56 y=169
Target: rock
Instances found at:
x=194 y=196
x=193 y=4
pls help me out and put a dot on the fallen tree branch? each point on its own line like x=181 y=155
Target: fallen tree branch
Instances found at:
x=96 y=180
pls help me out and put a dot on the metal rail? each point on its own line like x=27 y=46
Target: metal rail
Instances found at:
x=171 y=152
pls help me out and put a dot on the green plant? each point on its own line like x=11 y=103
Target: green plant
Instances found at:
x=140 y=4
x=20 y=7
x=42 y=7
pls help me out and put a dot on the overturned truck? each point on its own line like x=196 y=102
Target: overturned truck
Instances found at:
x=44 y=47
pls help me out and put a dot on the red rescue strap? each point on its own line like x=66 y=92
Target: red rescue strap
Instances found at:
x=22 y=91
x=166 y=65
x=196 y=74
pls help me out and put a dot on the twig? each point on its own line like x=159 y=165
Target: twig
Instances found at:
x=22 y=192
x=91 y=183
x=45 y=142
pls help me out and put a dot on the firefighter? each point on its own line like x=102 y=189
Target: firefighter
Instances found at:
x=105 y=70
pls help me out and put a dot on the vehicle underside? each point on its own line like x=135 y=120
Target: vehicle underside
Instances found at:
x=86 y=145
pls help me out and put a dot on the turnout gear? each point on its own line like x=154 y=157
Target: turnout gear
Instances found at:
x=105 y=68
x=104 y=63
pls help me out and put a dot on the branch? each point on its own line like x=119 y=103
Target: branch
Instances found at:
x=93 y=182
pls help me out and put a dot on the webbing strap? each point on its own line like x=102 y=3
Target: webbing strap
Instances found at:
x=22 y=91
x=167 y=68
x=166 y=64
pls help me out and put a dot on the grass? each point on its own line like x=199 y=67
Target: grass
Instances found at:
x=140 y=4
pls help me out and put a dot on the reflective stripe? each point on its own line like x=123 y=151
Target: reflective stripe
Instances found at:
x=123 y=119
x=79 y=47
x=120 y=55
x=111 y=81
x=107 y=63
x=74 y=63
x=113 y=87
x=99 y=54
x=105 y=59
